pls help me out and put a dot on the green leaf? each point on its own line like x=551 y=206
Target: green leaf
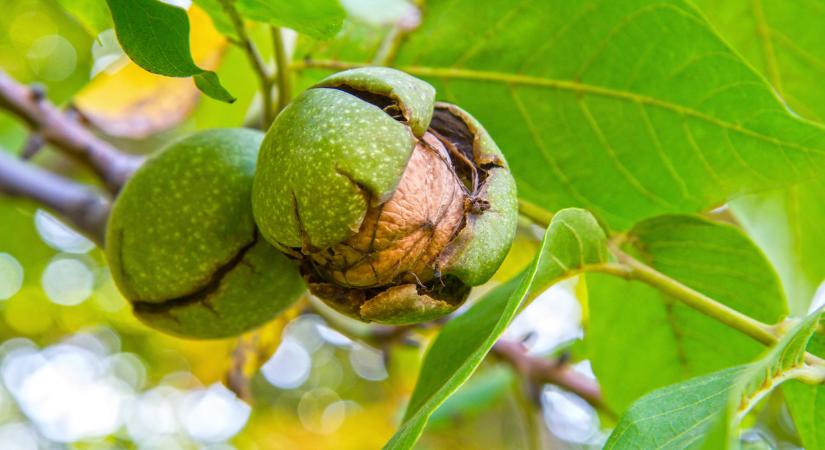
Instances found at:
x=209 y=84
x=92 y=14
x=674 y=417
x=682 y=415
x=572 y=242
x=155 y=35
x=783 y=40
x=320 y=19
x=661 y=340
x=481 y=392
x=785 y=361
x=787 y=225
x=630 y=109
x=806 y=402
x=807 y=406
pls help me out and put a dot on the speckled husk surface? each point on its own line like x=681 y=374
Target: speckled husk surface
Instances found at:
x=394 y=204
x=183 y=247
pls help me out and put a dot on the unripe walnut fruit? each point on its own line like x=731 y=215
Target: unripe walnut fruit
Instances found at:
x=183 y=247
x=394 y=204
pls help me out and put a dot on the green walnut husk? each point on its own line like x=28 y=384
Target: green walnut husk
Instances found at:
x=395 y=205
x=183 y=247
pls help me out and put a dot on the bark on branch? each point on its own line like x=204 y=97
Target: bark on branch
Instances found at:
x=544 y=371
x=63 y=132
x=84 y=209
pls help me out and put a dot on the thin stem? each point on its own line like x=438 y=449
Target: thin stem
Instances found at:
x=389 y=47
x=698 y=301
x=631 y=268
x=255 y=60
x=66 y=134
x=82 y=207
x=535 y=213
x=284 y=81
x=325 y=64
x=809 y=374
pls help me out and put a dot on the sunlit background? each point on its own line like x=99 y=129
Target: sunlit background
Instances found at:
x=76 y=368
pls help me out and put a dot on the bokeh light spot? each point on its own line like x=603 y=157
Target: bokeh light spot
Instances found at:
x=11 y=276
x=289 y=367
x=106 y=53
x=28 y=25
x=59 y=236
x=321 y=411
x=67 y=281
x=569 y=417
x=368 y=362
x=18 y=436
x=52 y=57
x=214 y=414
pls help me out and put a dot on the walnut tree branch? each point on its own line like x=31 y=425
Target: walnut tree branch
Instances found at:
x=541 y=370
x=66 y=134
x=85 y=209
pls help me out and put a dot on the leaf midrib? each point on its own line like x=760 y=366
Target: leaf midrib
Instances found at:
x=579 y=87
x=585 y=88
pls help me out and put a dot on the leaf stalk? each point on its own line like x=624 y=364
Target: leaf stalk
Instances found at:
x=283 y=75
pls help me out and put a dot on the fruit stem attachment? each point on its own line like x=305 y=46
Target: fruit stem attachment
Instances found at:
x=283 y=76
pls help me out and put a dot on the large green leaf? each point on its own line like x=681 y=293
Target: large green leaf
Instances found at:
x=640 y=338
x=674 y=417
x=155 y=35
x=628 y=108
x=320 y=19
x=709 y=408
x=572 y=242
x=783 y=40
x=783 y=362
x=807 y=402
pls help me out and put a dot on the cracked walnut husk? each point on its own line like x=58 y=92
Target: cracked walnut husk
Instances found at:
x=183 y=247
x=394 y=204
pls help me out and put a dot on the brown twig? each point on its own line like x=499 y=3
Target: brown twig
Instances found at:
x=85 y=209
x=33 y=145
x=56 y=128
x=541 y=370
